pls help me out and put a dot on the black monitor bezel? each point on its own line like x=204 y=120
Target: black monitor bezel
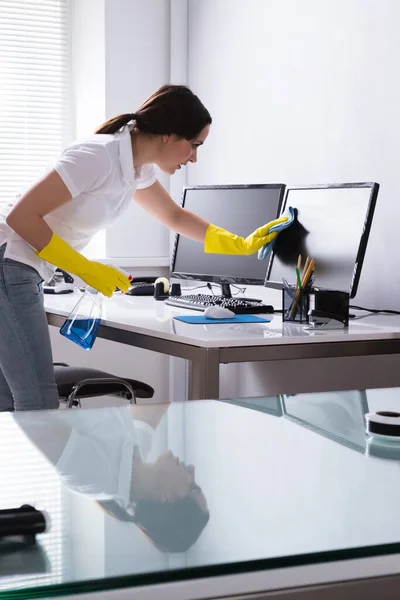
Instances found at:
x=217 y=278
x=364 y=236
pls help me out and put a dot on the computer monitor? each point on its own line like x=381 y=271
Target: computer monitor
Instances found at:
x=333 y=226
x=238 y=208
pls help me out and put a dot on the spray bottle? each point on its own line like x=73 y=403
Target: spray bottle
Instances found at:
x=83 y=323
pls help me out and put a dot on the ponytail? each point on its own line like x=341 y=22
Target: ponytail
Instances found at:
x=172 y=109
x=113 y=125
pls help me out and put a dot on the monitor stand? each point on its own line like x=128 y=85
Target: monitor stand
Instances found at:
x=226 y=290
x=226 y=293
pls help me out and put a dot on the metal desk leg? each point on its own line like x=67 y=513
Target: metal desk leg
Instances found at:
x=204 y=375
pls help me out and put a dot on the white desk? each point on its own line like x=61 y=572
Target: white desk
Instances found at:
x=146 y=323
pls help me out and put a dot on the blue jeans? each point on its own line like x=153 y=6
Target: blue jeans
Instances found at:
x=26 y=363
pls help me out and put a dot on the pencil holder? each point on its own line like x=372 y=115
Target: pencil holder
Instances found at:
x=295 y=304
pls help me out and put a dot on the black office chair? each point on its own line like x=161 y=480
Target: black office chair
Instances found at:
x=75 y=383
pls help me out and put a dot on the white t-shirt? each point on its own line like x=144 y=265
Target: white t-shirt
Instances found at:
x=97 y=459
x=100 y=175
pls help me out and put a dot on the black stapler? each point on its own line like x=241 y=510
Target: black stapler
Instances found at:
x=329 y=309
x=324 y=320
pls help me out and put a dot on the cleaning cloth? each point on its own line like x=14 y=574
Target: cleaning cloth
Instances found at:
x=266 y=249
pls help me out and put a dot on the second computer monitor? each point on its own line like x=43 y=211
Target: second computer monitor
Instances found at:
x=238 y=208
x=333 y=224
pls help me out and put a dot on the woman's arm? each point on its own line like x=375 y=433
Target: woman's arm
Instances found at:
x=26 y=216
x=156 y=201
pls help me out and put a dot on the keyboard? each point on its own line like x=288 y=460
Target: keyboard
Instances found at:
x=239 y=306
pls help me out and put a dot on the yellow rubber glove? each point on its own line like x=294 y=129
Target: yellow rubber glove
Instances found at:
x=103 y=278
x=220 y=241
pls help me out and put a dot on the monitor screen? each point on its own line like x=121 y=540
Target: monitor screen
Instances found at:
x=333 y=224
x=240 y=209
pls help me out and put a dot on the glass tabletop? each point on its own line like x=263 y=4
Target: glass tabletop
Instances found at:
x=161 y=493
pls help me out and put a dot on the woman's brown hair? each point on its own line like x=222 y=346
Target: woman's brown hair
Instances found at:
x=172 y=109
x=170 y=526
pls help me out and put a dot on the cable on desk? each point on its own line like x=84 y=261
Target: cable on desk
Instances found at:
x=192 y=287
x=376 y=310
x=210 y=286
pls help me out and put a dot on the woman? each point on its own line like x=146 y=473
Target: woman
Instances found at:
x=89 y=186
x=101 y=454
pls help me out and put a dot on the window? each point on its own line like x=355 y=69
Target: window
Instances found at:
x=35 y=113
x=35 y=123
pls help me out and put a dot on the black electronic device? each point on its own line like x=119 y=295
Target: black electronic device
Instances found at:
x=240 y=209
x=61 y=283
x=143 y=279
x=141 y=288
x=332 y=226
x=23 y=521
x=19 y=552
x=175 y=289
x=146 y=286
x=328 y=308
x=159 y=291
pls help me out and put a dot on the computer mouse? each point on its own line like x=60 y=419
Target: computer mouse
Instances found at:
x=218 y=312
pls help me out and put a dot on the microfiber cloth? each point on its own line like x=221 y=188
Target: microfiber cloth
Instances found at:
x=266 y=249
x=201 y=319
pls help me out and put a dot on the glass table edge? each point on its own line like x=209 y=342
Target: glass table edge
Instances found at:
x=202 y=572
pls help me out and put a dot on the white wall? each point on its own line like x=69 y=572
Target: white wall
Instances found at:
x=88 y=43
x=304 y=92
x=122 y=55
x=137 y=63
x=178 y=74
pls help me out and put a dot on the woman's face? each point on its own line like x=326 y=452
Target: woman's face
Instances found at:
x=177 y=480
x=176 y=152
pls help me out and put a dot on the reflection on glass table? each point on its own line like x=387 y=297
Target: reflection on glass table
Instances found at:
x=102 y=455
x=145 y=495
x=336 y=415
x=340 y=416
x=271 y=405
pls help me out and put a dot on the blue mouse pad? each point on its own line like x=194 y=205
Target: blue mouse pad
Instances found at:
x=201 y=319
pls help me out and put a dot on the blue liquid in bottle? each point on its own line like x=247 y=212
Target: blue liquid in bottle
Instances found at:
x=82 y=331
